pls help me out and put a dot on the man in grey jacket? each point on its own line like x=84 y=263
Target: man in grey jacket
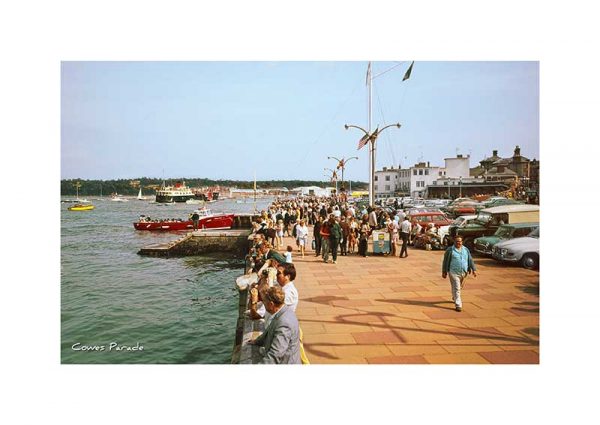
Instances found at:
x=281 y=339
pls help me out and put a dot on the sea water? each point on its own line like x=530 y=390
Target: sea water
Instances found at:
x=120 y=307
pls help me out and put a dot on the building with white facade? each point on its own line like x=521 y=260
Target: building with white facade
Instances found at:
x=386 y=182
x=421 y=176
x=457 y=167
x=414 y=181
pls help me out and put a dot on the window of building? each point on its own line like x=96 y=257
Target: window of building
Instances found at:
x=387 y=178
x=426 y=172
x=414 y=172
x=375 y=178
x=387 y=187
x=439 y=173
x=420 y=172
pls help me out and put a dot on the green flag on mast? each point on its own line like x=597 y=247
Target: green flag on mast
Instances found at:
x=408 y=71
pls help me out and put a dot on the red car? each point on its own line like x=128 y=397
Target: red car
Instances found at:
x=437 y=218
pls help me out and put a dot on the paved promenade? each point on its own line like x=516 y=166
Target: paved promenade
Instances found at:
x=384 y=310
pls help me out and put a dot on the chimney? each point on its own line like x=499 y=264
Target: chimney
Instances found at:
x=427 y=164
x=459 y=155
x=495 y=153
x=384 y=168
x=517 y=151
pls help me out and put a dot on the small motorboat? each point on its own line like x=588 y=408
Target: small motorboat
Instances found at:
x=81 y=207
x=115 y=197
x=208 y=220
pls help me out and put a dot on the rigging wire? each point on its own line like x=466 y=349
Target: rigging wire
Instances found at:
x=328 y=124
x=387 y=136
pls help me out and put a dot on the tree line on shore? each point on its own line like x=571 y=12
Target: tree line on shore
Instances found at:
x=68 y=187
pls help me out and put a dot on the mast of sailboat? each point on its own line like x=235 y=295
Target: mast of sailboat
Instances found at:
x=372 y=144
x=255 y=192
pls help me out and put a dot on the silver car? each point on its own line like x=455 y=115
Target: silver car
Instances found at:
x=525 y=250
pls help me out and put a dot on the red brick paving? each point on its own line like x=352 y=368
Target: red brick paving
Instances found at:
x=381 y=310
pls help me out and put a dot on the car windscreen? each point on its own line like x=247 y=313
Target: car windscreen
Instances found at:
x=503 y=232
x=483 y=218
x=535 y=233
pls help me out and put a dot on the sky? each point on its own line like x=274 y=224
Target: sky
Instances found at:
x=281 y=120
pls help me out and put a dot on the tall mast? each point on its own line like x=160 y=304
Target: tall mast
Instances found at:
x=255 y=192
x=372 y=144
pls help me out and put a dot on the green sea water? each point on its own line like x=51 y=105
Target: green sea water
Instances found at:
x=120 y=307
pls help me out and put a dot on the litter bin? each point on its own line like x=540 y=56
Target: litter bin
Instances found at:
x=381 y=242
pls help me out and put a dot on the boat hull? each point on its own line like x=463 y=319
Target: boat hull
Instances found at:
x=167 y=199
x=223 y=221
x=81 y=208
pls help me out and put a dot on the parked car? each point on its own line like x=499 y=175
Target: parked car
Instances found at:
x=496 y=202
x=488 y=220
x=411 y=211
x=424 y=218
x=461 y=221
x=525 y=251
x=485 y=244
x=470 y=206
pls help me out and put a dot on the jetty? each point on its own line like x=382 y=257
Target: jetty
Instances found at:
x=205 y=241
x=386 y=310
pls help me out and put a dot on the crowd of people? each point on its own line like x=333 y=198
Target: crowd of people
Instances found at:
x=339 y=227
x=336 y=225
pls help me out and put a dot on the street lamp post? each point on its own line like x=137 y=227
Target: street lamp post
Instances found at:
x=342 y=164
x=333 y=178
x=371 y=138
x=460 y=186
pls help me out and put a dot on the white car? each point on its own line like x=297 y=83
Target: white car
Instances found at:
x=525 y=251
x=461 y=221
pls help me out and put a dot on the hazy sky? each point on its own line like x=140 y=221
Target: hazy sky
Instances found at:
x=227 y=120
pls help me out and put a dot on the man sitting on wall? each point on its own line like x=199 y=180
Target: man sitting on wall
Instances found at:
x=281 y=339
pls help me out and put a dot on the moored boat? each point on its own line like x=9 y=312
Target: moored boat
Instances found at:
x=208 y=220
x=81 y=207
x=140 y=197
x=115 y=197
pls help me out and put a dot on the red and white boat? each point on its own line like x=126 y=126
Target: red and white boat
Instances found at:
x=208 y=220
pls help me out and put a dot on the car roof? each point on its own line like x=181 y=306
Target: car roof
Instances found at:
x=427 y=213
x=511 y=208
x=520 y=225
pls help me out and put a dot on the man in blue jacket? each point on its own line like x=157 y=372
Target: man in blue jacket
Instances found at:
x=457 y=264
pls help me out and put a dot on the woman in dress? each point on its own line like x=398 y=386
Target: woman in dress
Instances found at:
x=279 y=230
x=301 y=236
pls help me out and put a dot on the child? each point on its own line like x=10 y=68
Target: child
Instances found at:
x=288 y=254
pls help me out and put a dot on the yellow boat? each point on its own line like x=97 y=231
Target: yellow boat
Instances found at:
x=81 y=207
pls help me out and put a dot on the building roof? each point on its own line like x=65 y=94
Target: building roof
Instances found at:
x=494 y=171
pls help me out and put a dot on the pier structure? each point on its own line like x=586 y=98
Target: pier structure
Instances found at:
x=205 y=241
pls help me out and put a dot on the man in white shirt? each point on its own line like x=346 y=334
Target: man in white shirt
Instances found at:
x=405 y=229
x=286 y=273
